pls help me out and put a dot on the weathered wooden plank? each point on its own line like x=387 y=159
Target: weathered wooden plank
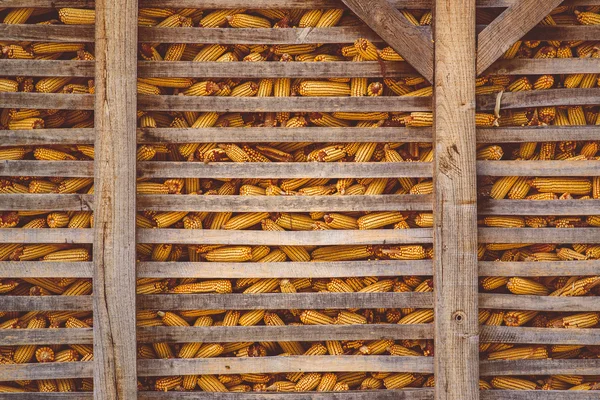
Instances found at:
x=47 y=33
x=185 y=334
x=282 y=135
x=510 y=334
x=540 y=98
x=400 y=394
x=548 y=133
x=257 y=365
x=538 y=168
x=539 y=268
x=563 y=32
x=538 y=235
x=75 y=68
x=509 y=27
x=71 y=169
x=46 y=303
x=414 y=44
x=65 y=235
x=48 y=396
x=538 y=303
x=51 y=370
x=289 y=238
x=37 y=269
x=47 y=3
x=538 y=395
x=182 y=169
x=291 y=104
x=46 y=201
x=15 y=337
x=325 y=269
x=540 y=367
x=47 y=136
x=536 y=207
x=217 y=203
x=334 y=69
x=59 y=101
x=541 y=66
x=276 y=301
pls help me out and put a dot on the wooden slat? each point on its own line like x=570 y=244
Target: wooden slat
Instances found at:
x=394 y=394
x=538 y=168
x=182 y=169
x=541 y=98
x=65 y=235
x=290 y=238
x=37 y=269
x=510 y=334
x=71 y=169
x=546 y=133
x=47 y=136
x=46 y=303
x=284 y=135
x=46 y=201
x=291 y=104
x=334 y=69
x=47 y=3
x=74 y=68
x=538 y=303
x=53 y=101
x=539 y=268
x=217 y=203
x=541 y=66
x=276 y=301
x=47 y=33
x=15 y=337
x=326 y=269
x=51 y=370
x=536 y=207
x=538 y=235
x=256 y=365
x=302 y=333
x=564 y=32
x=540 y=367
x=538 y=395
x=48 y=396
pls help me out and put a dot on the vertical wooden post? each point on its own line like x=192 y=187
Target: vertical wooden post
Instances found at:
x=114 y=205
x=455 y=206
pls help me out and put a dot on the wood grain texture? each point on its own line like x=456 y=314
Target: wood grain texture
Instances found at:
x=51 y=370
x=63 y=235
x=182 y=169
x=540 y=367
x=455 y=205
x=537 y=207
x=75 y=68
x=47 y=3
x=538 y=235
x=540 y=98
x=46 y=201
x=71 y=169
x=288 y=238
x=48 y=396
x=325 y=269
x=509 y=334
x=115 y=376
x=568 y=32
x=29 y=269
x=538 y=303
x=538 y=395
x=413 y=43
x=509 y=27
x=277 y=301
x=541 y=66
x=58 y=101
x=303 y=333
x=546 y=133
x=291 y=104
x=539 y=268
x=46 y=303
x=46 y=33
x=16 y=337
x=258 y=365
x=401 y=394
x=538 y=168
x=47 y=136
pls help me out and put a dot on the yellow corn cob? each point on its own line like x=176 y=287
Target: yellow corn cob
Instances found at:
x=77 y=16
x=510 y=383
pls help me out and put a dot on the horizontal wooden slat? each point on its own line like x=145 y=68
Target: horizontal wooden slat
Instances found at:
x=541 y=66
x=302 y=333
x=74 y=68
x=278 y=301
x=46 y=303
x=290 y=238
x=538 y=168
x=281 y=135
x=564 y=32
x=58 y=101
x=325 y=269
x=510 y=334
x=538 y=303
x=46 y=201
x=540 y=98
x=240 y=69
x=71 y=169
x=538 y=395
x=546 y=133
x=258 y=365
x=395 y=394
x=539 y=268
x=309 y=4
x=64 y=235
x=47 y=3
x=47 y=136
x=539 y=367
x=15 y=337
x=48 y=396
x=181 y=169
x=47 y=33
x=37 y=269
x=291 y=104
x=217 y=203
x=539 y=235
x=51 y=370
x=539 y=207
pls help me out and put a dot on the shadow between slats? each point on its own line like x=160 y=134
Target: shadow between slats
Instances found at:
x=46 y=303
x=15 y=337
x=540 y=367
x=38 y=269
x=538 y=303
x=51 y=370
x=403 y=394
x=510 y=334
x=46 y=201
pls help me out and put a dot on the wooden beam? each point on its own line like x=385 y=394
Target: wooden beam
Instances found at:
x=538 y=303
x=46 y=303
x=455 y=205
x=538 y=168
x=16 y=337
x=415 y=46
x=521 y=334
x=540 y=367
x=47 y=201
x=509 y=27
x=50 y=370
x=65 y=235
x=537 y=207
x=540 y=98
x=71 y=169
x=37 y=269
x=46 y=33
x=537 y=235
x=60 y=101
x=115 y=375
x=72 y=68
x=539 y=268
x=47 y=136
x=392 y=394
